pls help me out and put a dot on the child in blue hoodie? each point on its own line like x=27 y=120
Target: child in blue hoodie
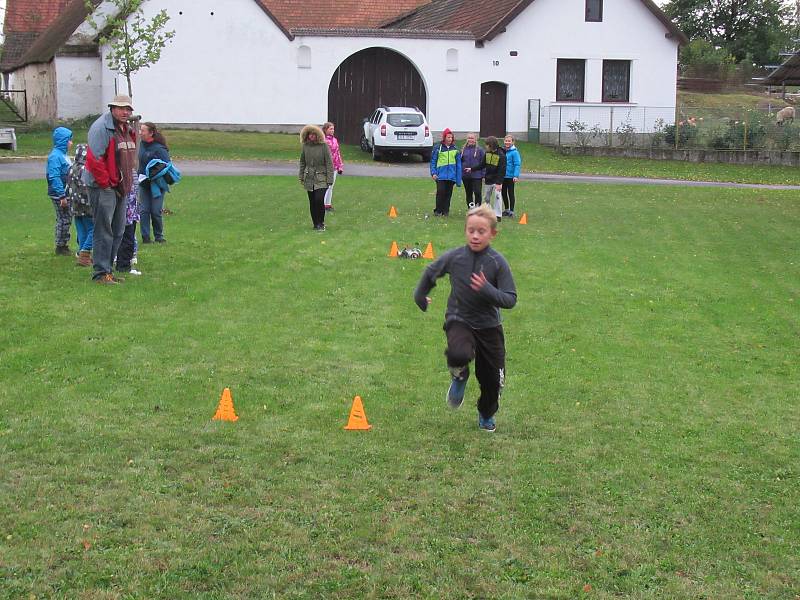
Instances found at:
x=513 y=164
x=445 y=171
x=58 y=164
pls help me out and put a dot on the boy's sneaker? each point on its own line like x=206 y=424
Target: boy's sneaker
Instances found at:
x=455 y=393
x=486 y=424
x=106 y=279
x=134 y=272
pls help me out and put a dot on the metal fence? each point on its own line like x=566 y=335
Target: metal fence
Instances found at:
x=13 y=106
x=684 y=127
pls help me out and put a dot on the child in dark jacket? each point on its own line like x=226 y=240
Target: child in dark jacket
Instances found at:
x=473 y=170
x=495 y=162
x=445 y=171
x=480 y=285
x=78 y=198
x=56 y=172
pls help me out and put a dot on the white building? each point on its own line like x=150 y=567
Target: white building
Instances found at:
x=277 y=65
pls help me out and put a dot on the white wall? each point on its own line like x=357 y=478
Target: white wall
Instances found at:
x=237 y=67
x=38 y=80
x=79 y=86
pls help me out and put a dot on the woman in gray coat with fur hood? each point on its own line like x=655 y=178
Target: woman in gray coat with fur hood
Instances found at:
x=316 y=172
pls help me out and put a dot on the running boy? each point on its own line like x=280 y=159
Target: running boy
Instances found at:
x=480 y=285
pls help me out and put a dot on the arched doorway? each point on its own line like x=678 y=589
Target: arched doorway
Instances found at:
x=366 y=80
x=493 y=109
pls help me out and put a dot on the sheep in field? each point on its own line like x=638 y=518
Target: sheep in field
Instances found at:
x=785 y=114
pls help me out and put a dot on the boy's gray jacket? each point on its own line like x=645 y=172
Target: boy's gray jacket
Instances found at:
x=316 y=164
x=479 y=310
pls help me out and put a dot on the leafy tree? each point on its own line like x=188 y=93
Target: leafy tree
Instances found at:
x=756 y=30
x=134 y=42
x=700 y=58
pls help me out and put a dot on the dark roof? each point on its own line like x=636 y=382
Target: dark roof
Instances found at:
x=31 y=15
x=384 y=33
x=16 y=44
x=787 y=74
x=486 y=20
x=49 y=43
x=339 y=14
x=24 y=21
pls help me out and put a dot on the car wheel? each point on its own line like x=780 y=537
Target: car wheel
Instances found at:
x=364 y=143
x=376 y=155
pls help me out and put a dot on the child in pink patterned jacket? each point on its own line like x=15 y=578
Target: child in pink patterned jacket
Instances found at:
x=336 y=155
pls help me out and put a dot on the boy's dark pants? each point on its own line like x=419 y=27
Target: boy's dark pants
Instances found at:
x=316 y=206
x=444 y=191
x=509 y=198
x=488 y=348
x=126 y=248
x=472 y=189
x=63 y=222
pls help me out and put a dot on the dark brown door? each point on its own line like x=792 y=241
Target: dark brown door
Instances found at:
x=493 y=109
x=366 y=80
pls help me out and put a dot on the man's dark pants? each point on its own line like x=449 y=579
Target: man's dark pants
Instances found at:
x=109 y=225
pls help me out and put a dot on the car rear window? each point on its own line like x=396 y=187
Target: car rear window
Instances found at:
x=404 y=120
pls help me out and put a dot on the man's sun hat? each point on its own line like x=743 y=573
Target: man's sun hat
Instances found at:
x=121 y=100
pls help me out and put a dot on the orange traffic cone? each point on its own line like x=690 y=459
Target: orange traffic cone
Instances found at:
x=358 y=418
x=524 y=219
x=393 y=212
x=225 y=411
x=428 y=251
x=394 y=250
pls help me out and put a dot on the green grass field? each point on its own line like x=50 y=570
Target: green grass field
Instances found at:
x=647 y=442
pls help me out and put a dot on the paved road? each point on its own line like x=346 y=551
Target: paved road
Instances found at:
x=11 y=170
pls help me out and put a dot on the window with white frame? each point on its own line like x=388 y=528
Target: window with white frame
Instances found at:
x=616 y=80
x=570 y=77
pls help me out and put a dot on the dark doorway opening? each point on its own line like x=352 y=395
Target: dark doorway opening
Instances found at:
x=493 y=109
x=366 y=80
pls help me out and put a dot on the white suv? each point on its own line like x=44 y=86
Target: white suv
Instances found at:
x=397 y=130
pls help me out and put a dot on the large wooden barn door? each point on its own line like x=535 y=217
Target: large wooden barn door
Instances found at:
x=366 y=80
x=493 y=109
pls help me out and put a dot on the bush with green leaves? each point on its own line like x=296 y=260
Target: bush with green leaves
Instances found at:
x=685 y=131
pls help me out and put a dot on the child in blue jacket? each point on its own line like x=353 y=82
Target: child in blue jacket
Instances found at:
x=445 y=171
x=58 y=164
x=513 y=164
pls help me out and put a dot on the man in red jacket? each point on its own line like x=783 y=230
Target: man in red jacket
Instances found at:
x=109 y=173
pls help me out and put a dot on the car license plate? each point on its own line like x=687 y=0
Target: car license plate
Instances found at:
x=406 y=135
